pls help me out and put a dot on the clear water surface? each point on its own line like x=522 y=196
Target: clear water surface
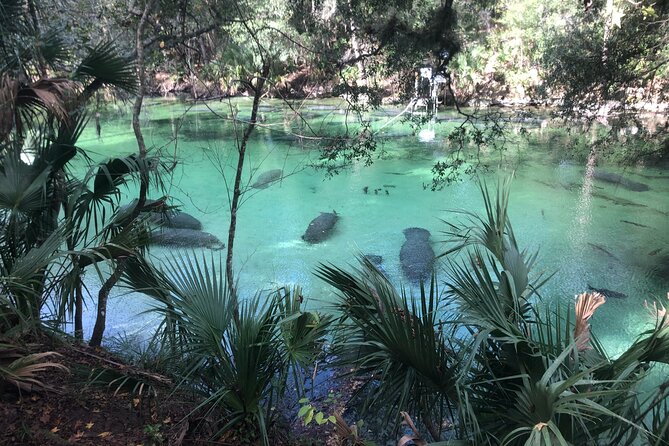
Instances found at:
x=587 y=231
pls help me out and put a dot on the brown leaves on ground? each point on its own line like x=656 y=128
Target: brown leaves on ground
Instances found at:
x=71 y=412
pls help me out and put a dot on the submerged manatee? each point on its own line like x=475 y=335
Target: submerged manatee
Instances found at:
x=416 y=255
x=614 y=178
x=186 y=238
x=169 y=219
x=375 y=259
x=608 y=293
x=320 y=227
x=267 y=178
x=178 y=220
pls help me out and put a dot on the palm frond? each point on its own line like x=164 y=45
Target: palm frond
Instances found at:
x=104 y=64
x=396 y=340
x=9 y=90
x=113 y=173
x=22 y=370
x=483 y=302
x=303 y=333
x=23 y=188
x=60 y=151
x=24 y=278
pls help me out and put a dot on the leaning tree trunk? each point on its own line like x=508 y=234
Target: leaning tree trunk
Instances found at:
x=103 y=295
x=258 y=91
x=79 y=311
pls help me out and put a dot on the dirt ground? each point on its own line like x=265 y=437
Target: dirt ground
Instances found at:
x=71 y=410
x=100 y=400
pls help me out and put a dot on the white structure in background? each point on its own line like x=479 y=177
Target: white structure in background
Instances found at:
x=426 y=99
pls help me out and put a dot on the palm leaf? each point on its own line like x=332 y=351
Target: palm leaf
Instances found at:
x=23 y=370
x=23 y=188
x=303 y=333
x=233 y=361
x=104 y=64
x=395 y=340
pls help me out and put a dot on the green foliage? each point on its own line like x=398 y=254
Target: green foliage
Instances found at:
x=498 y=370
x=617 y=52
x=238 y=355
x=391 y=339
x=106 y=66
x=43 y=206
x=24 y=370
x=308 y=412
x=155 y=437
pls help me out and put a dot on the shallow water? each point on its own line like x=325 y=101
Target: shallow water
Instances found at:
x=587 y=231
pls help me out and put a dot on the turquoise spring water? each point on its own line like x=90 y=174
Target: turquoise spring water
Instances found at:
x=587 y=231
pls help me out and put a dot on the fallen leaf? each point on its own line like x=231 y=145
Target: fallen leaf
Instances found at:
x=89 y=425
x=96 y=410
x=104 y=434
x=167 y=420
x=135 y=402
x=55 y=429
x=34 y=398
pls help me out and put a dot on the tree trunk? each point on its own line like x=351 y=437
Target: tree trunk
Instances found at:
x=79 y=312
x=103 y=295
x=236 y=193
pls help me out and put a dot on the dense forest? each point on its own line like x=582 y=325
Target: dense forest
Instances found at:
x=466 y=353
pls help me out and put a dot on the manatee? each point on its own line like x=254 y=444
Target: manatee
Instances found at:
x=125 y=210
x=320 y=227
x=416 y=255
x=168 y=219
x=374 y=259
x=608 y=293
x=178 y=220
x=616 y=179
x=661 y=268
x=186 y=238
x=377 y=261
x=266 y=178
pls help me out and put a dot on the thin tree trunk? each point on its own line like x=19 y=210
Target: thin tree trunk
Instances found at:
x=355 y=45
x=234 y=205
x=79 y=312
x=103 y=295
